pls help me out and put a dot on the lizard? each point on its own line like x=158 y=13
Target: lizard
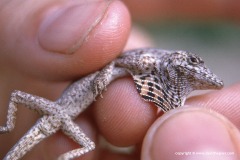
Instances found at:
x=162 y=77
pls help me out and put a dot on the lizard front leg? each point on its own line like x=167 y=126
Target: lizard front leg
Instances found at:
x=106 y=76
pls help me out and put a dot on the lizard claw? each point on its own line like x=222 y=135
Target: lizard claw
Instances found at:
x=101 y=80
x=104 y=89
x=4 y=130
x=99 y=85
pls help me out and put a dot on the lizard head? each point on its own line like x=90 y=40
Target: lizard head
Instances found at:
x=167 y=77
x=189 y=67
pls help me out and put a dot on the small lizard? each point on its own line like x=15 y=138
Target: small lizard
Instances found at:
x=161 y=76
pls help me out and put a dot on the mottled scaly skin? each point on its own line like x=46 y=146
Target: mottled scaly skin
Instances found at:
x=167 y=77
x=162 y=77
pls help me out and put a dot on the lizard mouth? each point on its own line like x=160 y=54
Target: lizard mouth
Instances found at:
x=216 y=83
x=209 y=80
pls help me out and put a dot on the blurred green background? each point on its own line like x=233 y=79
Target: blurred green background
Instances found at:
x=218 y=43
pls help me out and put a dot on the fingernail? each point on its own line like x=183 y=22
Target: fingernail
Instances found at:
x=64 y=28
x=192 y=134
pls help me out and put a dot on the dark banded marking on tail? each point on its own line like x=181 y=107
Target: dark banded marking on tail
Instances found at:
x=149 y=88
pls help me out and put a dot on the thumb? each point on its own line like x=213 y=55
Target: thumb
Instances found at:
x=193 y=134
x=63 y=39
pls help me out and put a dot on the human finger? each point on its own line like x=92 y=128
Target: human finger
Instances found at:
x=226 y=101
x=191 y=133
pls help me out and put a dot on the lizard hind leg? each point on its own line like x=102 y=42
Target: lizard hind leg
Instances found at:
x=73 y=131
x=35 y=135
x=39 y=104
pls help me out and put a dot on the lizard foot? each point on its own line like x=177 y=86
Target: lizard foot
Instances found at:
x=99 y=85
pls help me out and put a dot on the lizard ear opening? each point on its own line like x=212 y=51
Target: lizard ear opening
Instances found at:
x=150 y=89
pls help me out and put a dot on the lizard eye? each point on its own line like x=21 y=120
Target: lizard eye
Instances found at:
x=193 y=60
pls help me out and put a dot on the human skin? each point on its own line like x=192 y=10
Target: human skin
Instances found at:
x=36 y=59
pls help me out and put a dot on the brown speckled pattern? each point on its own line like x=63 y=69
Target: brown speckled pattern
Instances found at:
x=161 y=76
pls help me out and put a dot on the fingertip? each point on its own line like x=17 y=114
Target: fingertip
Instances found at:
x=107 y=39
x=47 y=44
x=191 y=133
x=101 y=45
x=122 y=116
x=224 y=101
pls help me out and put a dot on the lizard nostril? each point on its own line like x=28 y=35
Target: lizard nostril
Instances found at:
x=221 y=84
